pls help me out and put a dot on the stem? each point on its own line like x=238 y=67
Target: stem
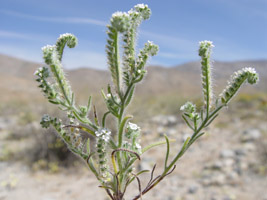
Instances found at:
x=186 y=146
x=60 y=83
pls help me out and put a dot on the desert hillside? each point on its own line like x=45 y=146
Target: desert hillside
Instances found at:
x=229 y=162
x=17 y=78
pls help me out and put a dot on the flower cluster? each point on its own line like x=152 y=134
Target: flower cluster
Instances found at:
x=238 y=78
x=204 y=51
x=188 y=107
x=72 y=137
x=132 y=133
x=49 y=54
x=52 y=55
x=205 y=48
x=126 y=23
x=103 y=136
x=150 y=49
x=190 y=110
x=47 y=88
x=112 y=101
x=132 y=130
x=120 y=21
x=65 y=39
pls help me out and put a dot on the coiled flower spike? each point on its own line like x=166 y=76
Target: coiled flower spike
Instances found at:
x=238 y=78
x=205 y=52
x=103 y=136
x=65 y=39
x=52 y=55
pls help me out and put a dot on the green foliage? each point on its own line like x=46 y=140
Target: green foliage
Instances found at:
x=114 y=155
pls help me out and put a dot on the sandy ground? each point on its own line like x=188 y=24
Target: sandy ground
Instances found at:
x=195 y=178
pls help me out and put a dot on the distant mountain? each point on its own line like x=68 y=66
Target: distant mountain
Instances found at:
x=16 y=78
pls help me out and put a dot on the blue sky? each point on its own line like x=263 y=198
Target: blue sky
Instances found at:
x=238 y=29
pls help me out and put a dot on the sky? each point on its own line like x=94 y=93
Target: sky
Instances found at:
x=238 y=29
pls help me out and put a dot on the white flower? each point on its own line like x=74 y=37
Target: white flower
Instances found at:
x=38 y=71
x=132 y=12
x=133 y=126
x=118 y=14
x=108 y=95
x=103 y=133
x=153 y=49
x=48 y=47
x=250 y=70
x=138 y=146
x=141 y=5
x=105 y=137
x=206 y=43
x=188 y=107
x=65 y=35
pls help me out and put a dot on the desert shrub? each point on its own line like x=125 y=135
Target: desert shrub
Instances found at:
x=112 y=156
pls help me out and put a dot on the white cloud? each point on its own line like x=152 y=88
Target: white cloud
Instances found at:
x=72 y=58
x=10 y=34
x=70 y=20
x=24 y=36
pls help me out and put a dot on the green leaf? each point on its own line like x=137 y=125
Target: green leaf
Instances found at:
x=211 y=120
x=155 y=144
x=104 y=119
x=88 y=130
x=89 y=104
x=120 y=134
x=130 y=96
x=88 y=146
x=188 y=124
x=168 y=150
x=113 y=61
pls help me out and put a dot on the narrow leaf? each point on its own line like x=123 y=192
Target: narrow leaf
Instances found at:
x=155 y=144
x=168 y=150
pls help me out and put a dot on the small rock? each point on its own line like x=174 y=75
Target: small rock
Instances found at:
x=250 y=147
x=233 y=176
x=227 y=198
x=171 y=132
x=227 y=153
x=240 y=152
x=165 y=120
x=161 y=131
x=228 y=162
x=146 y=132
x=146 y=163
x=219 y=180
x=172 y=120
x=215 y=180
x=251 y=135
x=192 y=189
x=170 y=198
x=218 y=165
x=68 y=191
